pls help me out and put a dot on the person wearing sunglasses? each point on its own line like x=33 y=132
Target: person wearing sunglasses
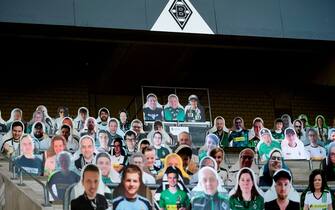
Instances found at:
x=246 y=159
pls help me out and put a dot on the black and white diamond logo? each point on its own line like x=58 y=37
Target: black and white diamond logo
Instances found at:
x=181 y=12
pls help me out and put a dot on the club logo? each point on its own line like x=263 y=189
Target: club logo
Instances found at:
x=181 y=12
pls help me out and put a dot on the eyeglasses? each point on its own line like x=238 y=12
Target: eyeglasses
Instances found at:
x=297 y=126
x=275 y=158
x=247 y=157
x=332 y=154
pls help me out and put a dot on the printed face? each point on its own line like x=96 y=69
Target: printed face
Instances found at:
x=279 y=126
x=91 y=183
x=209 y=182
x=238 y=123
x=105 y=165
x=291 y=138
x=332 y=155
x=130 y=141
x=123 y=117
x=152 y=102
x=218 y=158
x=150 y=156
x=17 y=115
x=103 y=116
x=208 y=162
x=173 y=101
x=245 y=182
x=317 y=182
x=157 y=139
x=112 y=126
x=246 y=159
x=266 y=138
x=103 y=139
x=90 y=124
x=131 y=184
x=87 y=148
x=137 y=127
x=172 y=179
x=184 y=139
x=297 y=126
x=61 y=113
x=332 y=136
x=65 y=133
x=38 y=132
x=83 y=115
x=64 y=162
x=27 y=146
x=257 y=127
x=17 y=132
x=117 y=148
x=58 y=146
x=320 y=122
x=185 y=159
x=312 y=137
x=282 y=188
x=38 y=117
x=275 y=162
x=139 y=162
x=194 y=103
x=219 y=124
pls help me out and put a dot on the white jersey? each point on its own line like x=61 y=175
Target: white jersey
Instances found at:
x=321 y=203
x=316 y=152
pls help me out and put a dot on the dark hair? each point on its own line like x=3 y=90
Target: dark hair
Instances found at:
x=17 y=123
x=38 y=125
x=254 y=192
x=323 y=180
x=158 y=133
x=102 y=154
x=129 y=133
x=103 y=110
x=66 y=110
x=123 y=110
x=90 y=167
x=174 y=170
x=83 y=110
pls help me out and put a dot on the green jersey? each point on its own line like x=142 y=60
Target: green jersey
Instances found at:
x=237 y=204
x=264 y=149
x=168 y=200
x=278 y=136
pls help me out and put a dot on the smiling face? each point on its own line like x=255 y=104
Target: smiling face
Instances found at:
x=131 y=184
x=275 y=162
x=173 y=101
x=58 y=146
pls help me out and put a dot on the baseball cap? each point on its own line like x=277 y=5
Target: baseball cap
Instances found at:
x=282 y=173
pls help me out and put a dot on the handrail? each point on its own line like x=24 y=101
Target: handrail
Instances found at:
x=45 y=189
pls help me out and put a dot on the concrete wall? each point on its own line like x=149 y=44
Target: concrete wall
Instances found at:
x=303 y=19
x=19 y=197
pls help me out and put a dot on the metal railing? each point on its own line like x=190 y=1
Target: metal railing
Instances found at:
x=12 y=168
